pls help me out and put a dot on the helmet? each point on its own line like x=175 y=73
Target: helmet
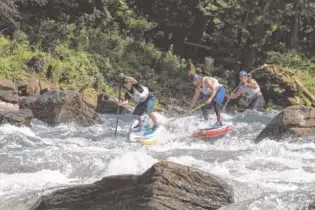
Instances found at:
x=194 y=77
x=242 y=73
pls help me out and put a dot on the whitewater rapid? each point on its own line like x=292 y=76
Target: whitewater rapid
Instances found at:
x=270 y=175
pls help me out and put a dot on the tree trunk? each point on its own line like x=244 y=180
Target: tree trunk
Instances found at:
x=197 y=31
x=294 y=39
x=166 y=41
x=178 y=39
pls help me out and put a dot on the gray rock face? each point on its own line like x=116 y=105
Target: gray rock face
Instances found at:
x=16 y=117
x=165 y=186
x=8 y=91
x=55 y=107
x=294 y=120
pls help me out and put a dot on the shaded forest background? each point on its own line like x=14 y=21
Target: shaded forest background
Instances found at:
x=84 y=44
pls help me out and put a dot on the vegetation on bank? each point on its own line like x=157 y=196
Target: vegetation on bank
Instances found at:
x=84 y=44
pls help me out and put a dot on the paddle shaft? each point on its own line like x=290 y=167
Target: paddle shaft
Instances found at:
x=118 y=107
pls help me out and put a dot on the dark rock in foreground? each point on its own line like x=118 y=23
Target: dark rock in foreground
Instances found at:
x=16 y=117
x=311 y=206
x=164 y=186
x=294 y=120
x=55 y=107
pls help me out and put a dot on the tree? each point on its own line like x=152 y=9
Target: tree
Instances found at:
x=8 y=11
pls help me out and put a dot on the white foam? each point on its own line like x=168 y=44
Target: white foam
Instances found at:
x=130 y=163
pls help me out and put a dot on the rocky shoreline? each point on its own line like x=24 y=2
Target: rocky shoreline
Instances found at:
x=20 y=103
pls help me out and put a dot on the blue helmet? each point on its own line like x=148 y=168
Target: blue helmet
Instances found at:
x=194 y=77
x=242 y=73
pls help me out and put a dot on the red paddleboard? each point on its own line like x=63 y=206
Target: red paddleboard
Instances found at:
x=212 y=132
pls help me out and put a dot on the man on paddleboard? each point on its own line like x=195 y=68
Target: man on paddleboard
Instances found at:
x=144 y=99
x=251 y=90
x=213 y=91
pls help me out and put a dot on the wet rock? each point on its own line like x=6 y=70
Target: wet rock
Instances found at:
x=29 y=87
x=8 y=91
x=311 y=206
x=165 y=186
x=27 y=102
x=55 y=107
x=294 y=120
x=16 y=117
x=109 y=104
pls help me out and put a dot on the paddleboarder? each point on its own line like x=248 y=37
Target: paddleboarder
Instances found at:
x=251 y=90
x=145 y=101
x=212 y=91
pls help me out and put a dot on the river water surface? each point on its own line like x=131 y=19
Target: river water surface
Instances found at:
x=270 y=175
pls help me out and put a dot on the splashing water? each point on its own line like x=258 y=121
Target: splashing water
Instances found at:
x=270 y=175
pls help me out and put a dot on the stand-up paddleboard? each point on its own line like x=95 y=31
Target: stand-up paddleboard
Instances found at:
x=139 y=137
x=212 y=132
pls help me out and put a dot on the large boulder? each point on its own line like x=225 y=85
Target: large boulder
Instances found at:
x=55 y=107
x=29 y=87
x=108 y=104
x=16 y=117
x=294 y=120
x=165 y=186
x=8 y=91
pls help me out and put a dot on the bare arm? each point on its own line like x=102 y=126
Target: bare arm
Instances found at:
x=131 y=80
x=251 y=84
x=236 y=95
x=213 y=90
x=195 y=98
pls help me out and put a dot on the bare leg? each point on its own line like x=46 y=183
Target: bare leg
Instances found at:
x=217 y=111
x=153 y=118
x=139 y=120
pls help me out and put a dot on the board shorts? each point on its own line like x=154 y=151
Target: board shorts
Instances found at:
x=257 y=103
x=145 y=107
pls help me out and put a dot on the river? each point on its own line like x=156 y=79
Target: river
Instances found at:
x=270 y=175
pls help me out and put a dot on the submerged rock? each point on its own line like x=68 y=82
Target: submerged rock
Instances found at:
x=294 y=120
x=164 y=186
x=55 y=107
x=16 y=117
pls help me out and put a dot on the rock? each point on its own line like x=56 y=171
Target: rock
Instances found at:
x=46 y=86
x=8 y=91
x=165 y=186
x=35 y=64
x=29 y=87
x=311 y=206
x=294 y=120
x=55 y=107
x=27 y=102
x=109 y=104
x=16 y=117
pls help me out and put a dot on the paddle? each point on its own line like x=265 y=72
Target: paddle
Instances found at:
x=239 y=84
x=198 y=107
x=121 y=75
x=194 y=109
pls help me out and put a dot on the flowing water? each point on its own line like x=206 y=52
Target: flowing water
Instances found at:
x=270 y=175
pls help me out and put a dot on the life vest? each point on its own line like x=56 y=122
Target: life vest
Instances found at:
x=137 y=96
x=214 y=82
x=250 y=93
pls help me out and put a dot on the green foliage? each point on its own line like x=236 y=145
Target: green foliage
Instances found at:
x=293 y=60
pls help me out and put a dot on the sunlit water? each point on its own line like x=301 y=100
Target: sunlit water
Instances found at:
x=270 y=175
